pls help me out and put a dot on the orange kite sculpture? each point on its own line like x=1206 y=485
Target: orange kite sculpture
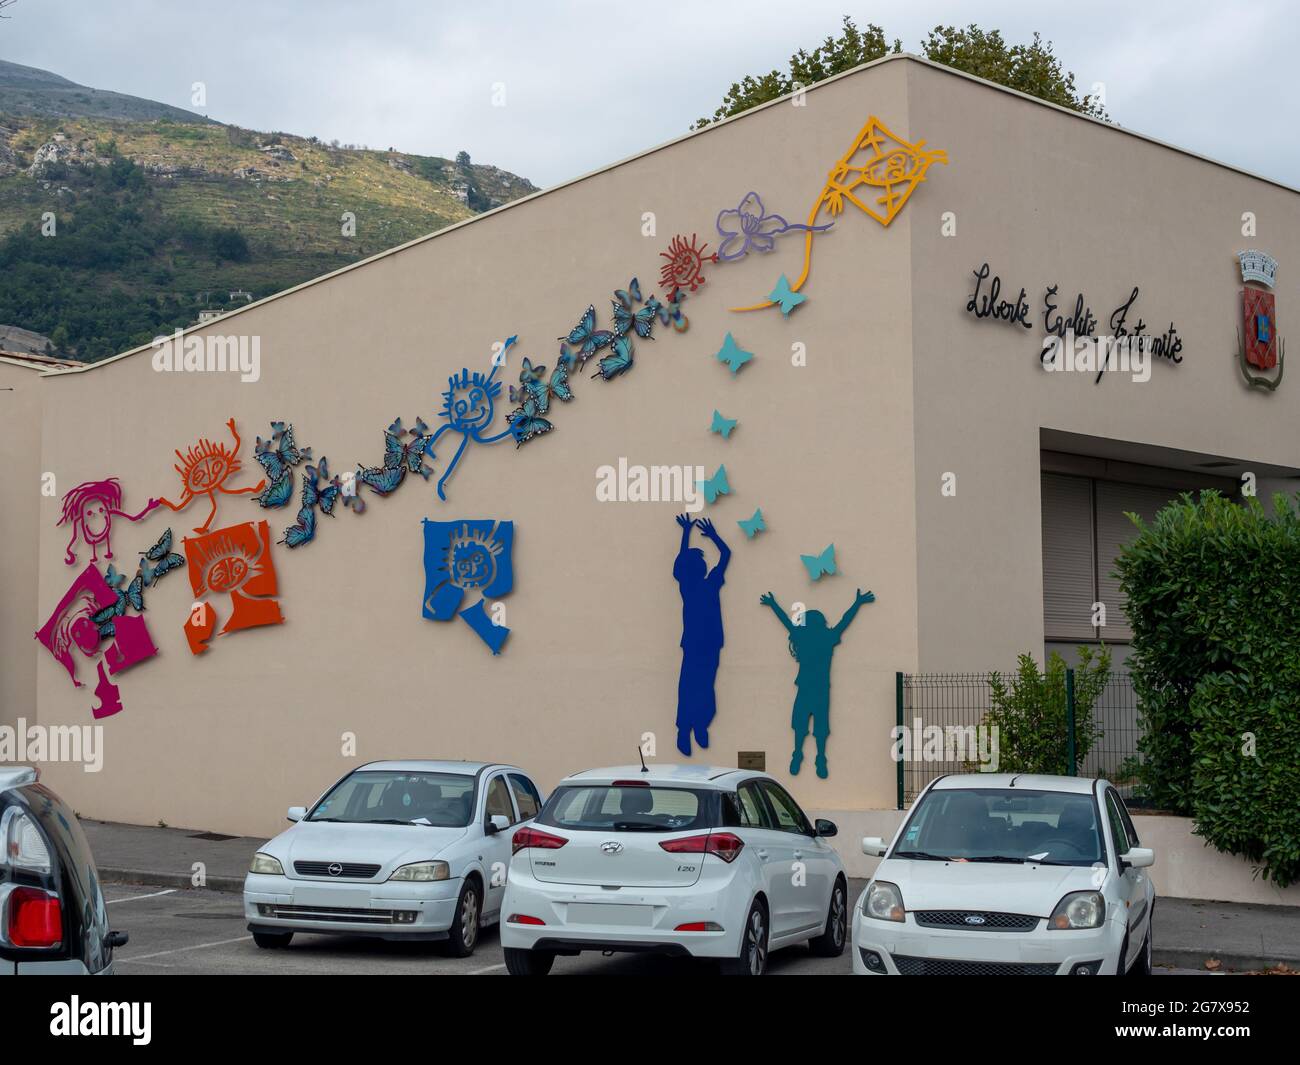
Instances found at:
x=878 y=173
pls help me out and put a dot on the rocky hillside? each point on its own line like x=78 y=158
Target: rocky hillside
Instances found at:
x=158 y=220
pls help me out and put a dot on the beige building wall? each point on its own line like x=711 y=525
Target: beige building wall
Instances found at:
x=227 y=740
x=1047 y=197
x=20 y=434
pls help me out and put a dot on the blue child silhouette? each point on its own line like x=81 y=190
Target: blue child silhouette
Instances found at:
x=812 y=645
x=701 y=632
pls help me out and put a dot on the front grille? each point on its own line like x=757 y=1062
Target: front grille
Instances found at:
x=952 y=967
x=989 y=922
x=348 y=871
x=329 y=913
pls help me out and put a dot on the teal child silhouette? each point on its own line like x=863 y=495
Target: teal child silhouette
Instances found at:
x=812 y=645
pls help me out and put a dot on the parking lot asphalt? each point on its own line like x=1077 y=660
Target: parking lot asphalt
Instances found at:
x=178 y=931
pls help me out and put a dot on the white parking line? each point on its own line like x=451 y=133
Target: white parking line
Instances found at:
x=181 y=950
x=489 y=969
x=137 y=898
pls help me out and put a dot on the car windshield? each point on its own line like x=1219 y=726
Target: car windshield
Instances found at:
x=388 y=797
x=626 y=808
x=997 y=825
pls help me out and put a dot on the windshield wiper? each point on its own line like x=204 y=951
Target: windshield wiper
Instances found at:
x=921 y=856
x=636 y=826
x=997 y=858
x=384 y=821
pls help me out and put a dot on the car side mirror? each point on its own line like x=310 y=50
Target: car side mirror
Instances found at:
x=824 y=828
x=497 y=823
x=1139 y=857
x=874 y=846
x=116 y=939
x=296 y=813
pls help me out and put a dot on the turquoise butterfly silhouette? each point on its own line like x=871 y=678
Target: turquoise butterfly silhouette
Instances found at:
x=784 y=295
x=722 y=426
x=715 y=486
x=733 y=354
x=817 y=565
x=752 y=526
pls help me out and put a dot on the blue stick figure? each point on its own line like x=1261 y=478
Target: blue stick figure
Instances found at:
x=701 y=632
x=812 y=645
x=469 y=406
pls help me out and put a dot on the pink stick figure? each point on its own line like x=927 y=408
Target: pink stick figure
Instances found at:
x=90 y=509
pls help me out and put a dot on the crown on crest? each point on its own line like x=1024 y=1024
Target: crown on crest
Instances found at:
x=1258 y=266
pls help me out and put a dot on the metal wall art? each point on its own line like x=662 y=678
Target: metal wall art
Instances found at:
x=469 y=408
x=90 y=509
x=812 y=644
x=468 y=558
x=819 y=565
x=72 y=636
x=723 y=426
x=715 y=486
x=733 y=355
x=748 y=227
x=878 y=174
x=205 y=468
x=685 y=266
x=155 y=563
x=234 y=561
x=702 y=636
x=751 y=527
x=278 y=456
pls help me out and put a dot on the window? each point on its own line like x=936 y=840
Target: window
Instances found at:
x=390 y=797
x=750 y=806
x=1117 y=827
x=526 y=797
x=630 y=808
x=498 y=800
x=1085 y=524
x=789 y=818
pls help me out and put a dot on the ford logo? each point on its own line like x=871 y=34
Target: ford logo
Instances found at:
x=611 y=847
x=974 y=918
x=334 y=869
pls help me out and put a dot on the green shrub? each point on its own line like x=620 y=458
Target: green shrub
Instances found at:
x=1213 y=593
x=1030 y=712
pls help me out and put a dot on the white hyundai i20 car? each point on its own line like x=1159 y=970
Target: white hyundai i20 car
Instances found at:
x=395 y=850
x=1008 y=874
x=672 y=859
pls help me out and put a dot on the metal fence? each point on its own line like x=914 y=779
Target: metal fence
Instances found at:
x=958 y=703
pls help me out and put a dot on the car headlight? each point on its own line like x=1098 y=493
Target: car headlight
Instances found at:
x=422 y=872
x=264 y=863
x=884 y=902
x=1079 y=909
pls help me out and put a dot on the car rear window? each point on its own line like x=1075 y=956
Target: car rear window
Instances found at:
x=628 y=808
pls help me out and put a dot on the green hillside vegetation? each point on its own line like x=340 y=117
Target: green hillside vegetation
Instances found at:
x=156 y=221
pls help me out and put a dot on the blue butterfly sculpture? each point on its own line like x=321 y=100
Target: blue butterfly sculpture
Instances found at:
x=733 y=354
x=715 y=486
x=753 y=526
x=277 y=457
x=723 y=426
x=818 y=565
x=588 y=338
x=319 y=490
x=161 y=553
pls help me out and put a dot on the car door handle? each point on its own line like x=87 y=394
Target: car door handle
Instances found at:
x=762 y=854
x=798 y=856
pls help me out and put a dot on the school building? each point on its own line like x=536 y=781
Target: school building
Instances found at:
x=908 y=412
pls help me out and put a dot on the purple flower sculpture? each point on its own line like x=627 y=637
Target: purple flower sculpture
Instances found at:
x=748 y=227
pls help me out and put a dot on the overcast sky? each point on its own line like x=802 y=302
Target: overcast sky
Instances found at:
x=587 y=82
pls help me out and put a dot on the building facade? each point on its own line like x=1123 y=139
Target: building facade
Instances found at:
x=902 y=413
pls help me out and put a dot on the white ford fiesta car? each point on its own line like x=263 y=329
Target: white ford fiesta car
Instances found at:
x=1008 y=874
x=396 y=850
x=672 y=859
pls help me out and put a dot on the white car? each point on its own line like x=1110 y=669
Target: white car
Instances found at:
x=396 y=850
x=1009 y=874
x=672 y=859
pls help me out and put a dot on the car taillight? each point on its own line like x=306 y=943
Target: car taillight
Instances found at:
x=724 y=844
x=523 y=918
x=35 y=918
x=535 y=837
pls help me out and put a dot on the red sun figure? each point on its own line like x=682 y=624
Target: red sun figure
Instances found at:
x=204 y=470
x=685 y=265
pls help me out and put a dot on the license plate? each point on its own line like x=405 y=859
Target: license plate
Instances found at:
x=600 y=913
x=349 y=898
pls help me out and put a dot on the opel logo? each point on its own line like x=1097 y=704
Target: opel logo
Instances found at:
x=334 y=869
x=974 y=918
x=612 y=846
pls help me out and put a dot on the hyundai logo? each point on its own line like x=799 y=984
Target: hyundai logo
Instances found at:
x=334 y=869
x=612 y=846
x=974 y=918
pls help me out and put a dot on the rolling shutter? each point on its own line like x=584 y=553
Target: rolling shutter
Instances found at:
x=1113 y=530
x=1069 y=583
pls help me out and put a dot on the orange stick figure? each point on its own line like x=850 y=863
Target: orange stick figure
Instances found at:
x=204 y=470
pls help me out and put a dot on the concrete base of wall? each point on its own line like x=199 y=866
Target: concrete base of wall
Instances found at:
x=1185 y=867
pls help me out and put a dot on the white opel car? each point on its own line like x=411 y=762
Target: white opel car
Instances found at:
x=672 y=859
x=1008 y=874
x=396 y=850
